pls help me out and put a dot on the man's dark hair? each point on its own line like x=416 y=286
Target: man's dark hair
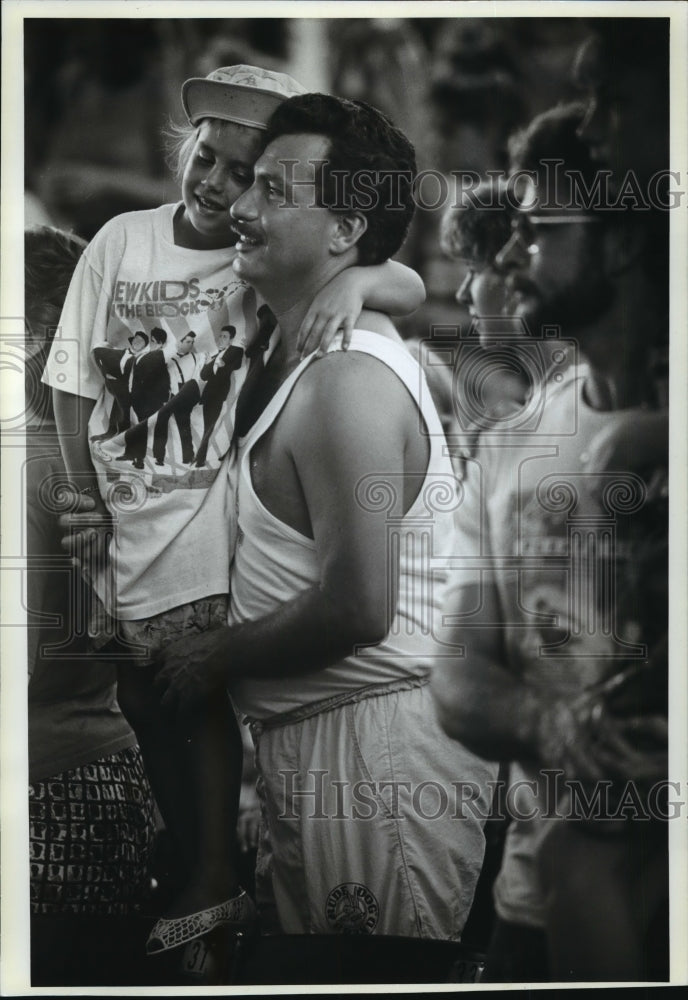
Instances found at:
x=365 y=147
x=553 y=135
x=158 y=335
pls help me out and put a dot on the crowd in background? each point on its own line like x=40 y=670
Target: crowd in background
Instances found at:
x=475 y=96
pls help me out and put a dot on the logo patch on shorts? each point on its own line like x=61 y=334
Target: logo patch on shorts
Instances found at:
x=352 y=909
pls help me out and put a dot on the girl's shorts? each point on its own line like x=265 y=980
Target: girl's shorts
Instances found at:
x=143 y=639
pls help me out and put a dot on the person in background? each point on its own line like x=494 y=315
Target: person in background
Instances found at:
x=91 y=812
x=503 y=366
x=473 y=100
x=607 y=884
x=623 y=73
x=491 y=384
x=557 y=664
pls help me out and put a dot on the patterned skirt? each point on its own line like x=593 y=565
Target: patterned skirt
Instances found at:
x=92 y=831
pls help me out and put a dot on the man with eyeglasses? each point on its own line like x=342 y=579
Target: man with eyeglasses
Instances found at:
x=554 y=252
x=556 y=644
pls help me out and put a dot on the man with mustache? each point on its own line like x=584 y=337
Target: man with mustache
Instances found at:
x=551 y=604
x=333 y=600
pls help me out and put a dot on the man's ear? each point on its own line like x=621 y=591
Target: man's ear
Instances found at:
x=347 y=231
x=624 y=243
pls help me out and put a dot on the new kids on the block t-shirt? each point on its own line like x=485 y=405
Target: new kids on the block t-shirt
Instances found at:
x=157 y=334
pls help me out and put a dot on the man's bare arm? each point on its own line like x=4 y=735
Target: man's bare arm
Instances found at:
x=346 y=427
x=500 y=716
x=478 y=700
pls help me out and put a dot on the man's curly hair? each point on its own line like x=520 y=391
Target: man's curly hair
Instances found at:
x=476 y=229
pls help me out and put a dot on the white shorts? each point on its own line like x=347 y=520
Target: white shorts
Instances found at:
x=361 y=832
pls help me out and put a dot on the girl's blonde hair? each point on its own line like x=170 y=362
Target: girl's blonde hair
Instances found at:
x=180 y=140
x=179 y=143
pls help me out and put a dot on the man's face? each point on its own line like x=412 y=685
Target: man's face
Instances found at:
x=223 y=340
x=284 y=234
x=185 y=345
x=626 y=123
x=556 y=270
x=138 y=344
x=220 y=168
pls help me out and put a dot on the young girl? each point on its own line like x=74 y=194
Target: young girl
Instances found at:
x=168 y=501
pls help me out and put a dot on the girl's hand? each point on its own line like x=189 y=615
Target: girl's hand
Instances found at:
x=192 y=670
x=87 y=527
x=336 y=307
x=390 y=288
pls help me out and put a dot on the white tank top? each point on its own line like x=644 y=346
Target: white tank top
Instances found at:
x=274 y=562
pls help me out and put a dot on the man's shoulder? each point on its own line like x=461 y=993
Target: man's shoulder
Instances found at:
x=337 y=372
x=353 y=384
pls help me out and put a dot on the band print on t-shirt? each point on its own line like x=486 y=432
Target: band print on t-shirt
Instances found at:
x=172 y=366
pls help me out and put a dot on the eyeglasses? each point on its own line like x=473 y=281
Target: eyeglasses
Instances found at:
x=525 y=227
